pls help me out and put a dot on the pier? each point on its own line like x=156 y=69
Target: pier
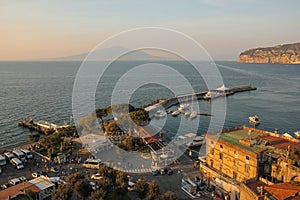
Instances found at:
x=170 y=102
x=40 y=126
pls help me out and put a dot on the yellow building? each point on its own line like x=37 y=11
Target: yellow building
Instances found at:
x=231 y=157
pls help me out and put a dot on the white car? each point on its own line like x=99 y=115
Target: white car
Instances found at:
x=22 y=178
x=96 y=176
x=94 y=185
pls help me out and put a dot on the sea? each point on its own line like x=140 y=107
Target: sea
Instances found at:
x=43 y=90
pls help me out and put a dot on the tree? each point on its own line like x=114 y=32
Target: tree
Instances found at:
x=121 y=180
x=72 y=179
x=100 y=113
x=140 y=117
x=141 y=188
x=82 y=189
x=168 y=196
x=153 y=191
x=63 y=192
x=98 y=194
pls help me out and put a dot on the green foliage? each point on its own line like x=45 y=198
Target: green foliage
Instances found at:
x=141 y=188
x=82 y=189
x=140 y=117
x=69 y=131
x=153 y=191
x=112 y=128
x=34 y=137
x=98 y=194
x=72 y=179
x=133 y=144
x=63 y=192
x=49 y=131
x=168 y=196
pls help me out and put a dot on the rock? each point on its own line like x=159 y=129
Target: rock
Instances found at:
x=283 y=54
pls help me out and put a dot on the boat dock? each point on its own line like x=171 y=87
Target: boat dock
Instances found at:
x=40 y=126
x=170 y=102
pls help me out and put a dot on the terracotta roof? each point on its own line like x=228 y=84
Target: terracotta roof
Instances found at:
x=253 y=185
x=279 y=142
x=281 y=191
x=17 y=189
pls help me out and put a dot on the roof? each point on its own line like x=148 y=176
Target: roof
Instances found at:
x=282 y=191
x=17 y=190
x=254 y=185
x=234 y=137
x=41 y=182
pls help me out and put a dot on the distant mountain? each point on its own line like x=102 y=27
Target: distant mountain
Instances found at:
x=105 y=54
x=284 y=54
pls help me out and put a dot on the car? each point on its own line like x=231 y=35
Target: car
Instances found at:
x=96 y=176
x=54 y=170
x=22 y=178
x=94 y=185
x=162 y=171
x=35 y=174
x=169 y=171
x=154 y=172
x=5 y=186
x=14 y=181
x=130 y=186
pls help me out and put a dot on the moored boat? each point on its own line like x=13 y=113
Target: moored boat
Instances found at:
x=297 y=134
x=197 y=141
x=175 y=113
x=160 y=114
x=254 y=120
x=193 y=114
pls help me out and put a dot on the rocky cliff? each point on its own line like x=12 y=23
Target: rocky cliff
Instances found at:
x=284 y=54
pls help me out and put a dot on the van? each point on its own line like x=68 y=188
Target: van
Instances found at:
x=19 y=154
x=17 y=163
x=14 y=181
x=27 y=153
x=2 y=160
x=92 y=163
x=9 y=156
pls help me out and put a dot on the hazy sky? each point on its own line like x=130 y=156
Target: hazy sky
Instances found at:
x=46 y=29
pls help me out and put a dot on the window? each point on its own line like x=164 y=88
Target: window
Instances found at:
x=221 y=156
x=211 y=163
x=234 y=175
x=247 y=159
x=220 y=166
x=236 y=162
x=247 y=168
x=236 y=154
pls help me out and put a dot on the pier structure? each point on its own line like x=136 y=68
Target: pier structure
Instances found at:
x=39 y=126
x=173 y=101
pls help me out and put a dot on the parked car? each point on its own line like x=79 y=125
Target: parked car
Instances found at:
x=54 y=170
x=5 y=185
x=154 y=172
x=162 y=171
x=35 y=174
x=130 y=185
x=22 y=178
x=169 y=171
x=94 y=185
x=14 y=181
x=97 y=176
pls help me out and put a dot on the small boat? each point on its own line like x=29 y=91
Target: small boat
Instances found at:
x=187 y=113
x=175 y=113
x=160 y=114
x=297 y=134
x=254 y=120
x=193 y=114
x=183 y=107
x=197 y=141
x=213 y=94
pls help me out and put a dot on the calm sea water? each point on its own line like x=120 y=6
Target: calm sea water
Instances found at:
x=43 y=91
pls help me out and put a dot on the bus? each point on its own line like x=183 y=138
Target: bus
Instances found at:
x=92 y=163
x=27 y=153
x=2 y=160
x=19 y=154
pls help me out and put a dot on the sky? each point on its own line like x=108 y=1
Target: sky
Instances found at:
x=50 y=29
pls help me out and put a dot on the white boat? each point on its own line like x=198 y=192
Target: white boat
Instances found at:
x=213 y=95
x=175 y=113
x=297 y=134
x=187 y=113
x=197 y=141
x=160 y=114
x=254 y=120
x=193 y=114
x=183 y=107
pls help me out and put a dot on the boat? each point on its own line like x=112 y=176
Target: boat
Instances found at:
x=197 y=141
x=297 y=134
x=187 y=113
x=193 y=114
x=175 y=113
x=160 y=114
x=183 y=107
x=254 y=120
x=213 y=94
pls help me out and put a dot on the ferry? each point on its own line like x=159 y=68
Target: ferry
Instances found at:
x=254 y=120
